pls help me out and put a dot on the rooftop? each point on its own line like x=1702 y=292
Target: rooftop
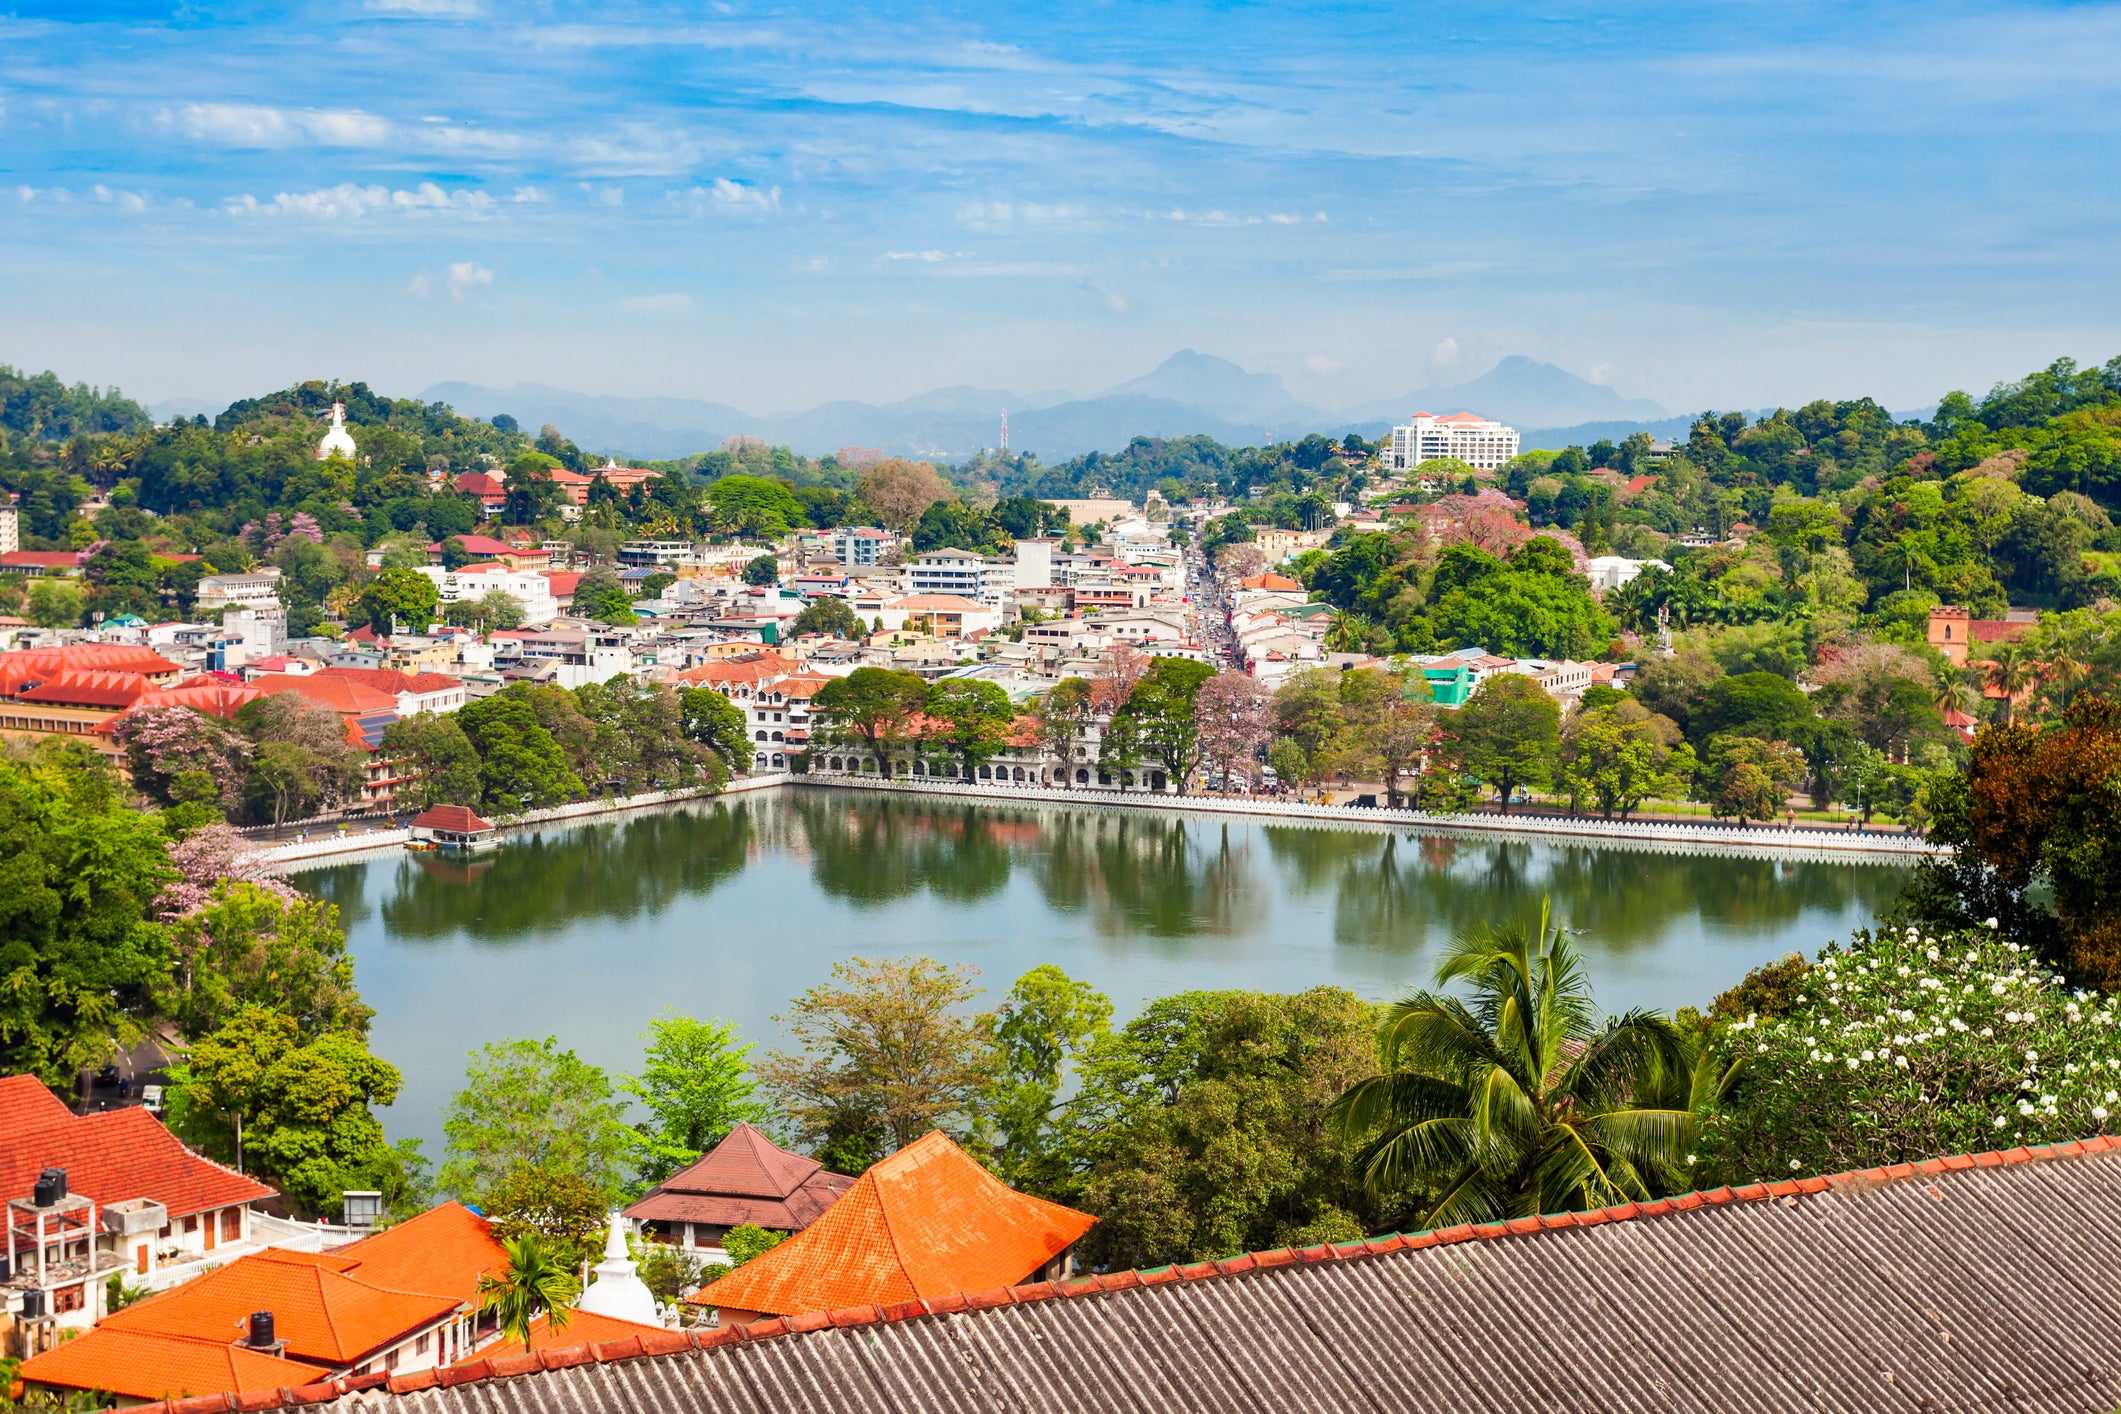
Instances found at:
x=927 y=1221
x=111 y=1156
x=1978 y=1281
x=143 y=1365
x=747 y=1178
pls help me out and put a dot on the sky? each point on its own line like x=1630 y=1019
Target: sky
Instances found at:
x=1708 y=204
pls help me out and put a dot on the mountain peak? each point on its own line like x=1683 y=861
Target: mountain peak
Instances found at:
x=1218 y=386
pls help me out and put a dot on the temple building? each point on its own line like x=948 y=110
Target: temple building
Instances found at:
x=747 y=1178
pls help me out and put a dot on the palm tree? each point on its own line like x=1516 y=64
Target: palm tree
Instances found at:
x=1517 y=1101
x=2010 y=673
x=534 y=1281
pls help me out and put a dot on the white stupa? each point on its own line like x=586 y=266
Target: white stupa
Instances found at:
x=338 y=442
x=618 y=1290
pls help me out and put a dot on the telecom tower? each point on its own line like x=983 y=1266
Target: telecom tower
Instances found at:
x=1005 y=432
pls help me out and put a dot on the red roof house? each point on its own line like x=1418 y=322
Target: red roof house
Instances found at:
x=747 y=1178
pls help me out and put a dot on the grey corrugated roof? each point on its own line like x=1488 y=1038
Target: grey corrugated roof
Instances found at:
x=1989 y=1283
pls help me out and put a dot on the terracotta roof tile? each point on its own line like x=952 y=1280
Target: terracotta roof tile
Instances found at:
x=443 y=1251
x=111 y=1156
x=745 y=1178
x=143 y=1365
x=455 y=818
x=583 y=1328
x=924 y=1222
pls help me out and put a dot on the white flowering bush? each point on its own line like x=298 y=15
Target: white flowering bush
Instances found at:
x=1906 y=1045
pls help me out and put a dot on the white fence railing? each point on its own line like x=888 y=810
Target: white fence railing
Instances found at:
x=1775 y=838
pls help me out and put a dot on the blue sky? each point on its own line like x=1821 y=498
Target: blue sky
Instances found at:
x=1705 y=204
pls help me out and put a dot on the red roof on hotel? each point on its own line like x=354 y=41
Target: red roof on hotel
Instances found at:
x=90 y=688
x=342 y=695
x=390 y=680
x=111 y=1156
x=927 y=1221
x=747 y=1178
x=476 y=544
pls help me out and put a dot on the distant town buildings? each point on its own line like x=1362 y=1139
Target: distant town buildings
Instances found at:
x=1478 y=442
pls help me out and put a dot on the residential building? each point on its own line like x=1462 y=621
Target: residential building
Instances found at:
x=401 y=1301
x=1033 y=562
x=533 y=589
x=926 y=1222
x=961 y=572
x=1097 y=510
x=941 y=615
x=10 y=529
x=566 y=656
x=65 y=564
x=1828 y=1292
x=1477 y=441
x=259 y=588
x=1609 y=572
x=861 y=545
x=413 y=692
x=655 y=552
x=146 y=1204
x=747 y=1178
x=78 y=689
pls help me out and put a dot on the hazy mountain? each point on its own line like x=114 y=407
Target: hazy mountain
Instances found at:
x=1522 y=392
x=1219 y=386
x=1188 y=393
x=170 y=409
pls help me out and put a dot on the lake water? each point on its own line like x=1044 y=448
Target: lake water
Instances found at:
x=730 y=908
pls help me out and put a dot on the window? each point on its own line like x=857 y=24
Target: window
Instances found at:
x=231 y=1224
x=419 y=1347
x=68 y=1298
x=191 y=1224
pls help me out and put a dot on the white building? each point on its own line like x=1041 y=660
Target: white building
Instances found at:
x=337 y=442
x=10 y=530
x=258 y=589
x=1612 y=571
x=527 y=587
x=1468 y=437
x=962 y=573
x=861 y=544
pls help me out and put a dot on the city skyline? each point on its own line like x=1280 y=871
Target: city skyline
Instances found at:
x=776 y=208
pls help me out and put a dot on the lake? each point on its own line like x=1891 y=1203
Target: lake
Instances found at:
x=730 y=908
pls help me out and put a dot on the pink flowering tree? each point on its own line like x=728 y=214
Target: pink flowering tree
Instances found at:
x=164 y=743
x=1231 y=710
x=213 y=855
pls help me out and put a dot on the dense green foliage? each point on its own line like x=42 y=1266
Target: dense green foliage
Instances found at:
x=39 y=407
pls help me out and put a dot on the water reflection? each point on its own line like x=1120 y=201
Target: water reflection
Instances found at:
x=537 y=883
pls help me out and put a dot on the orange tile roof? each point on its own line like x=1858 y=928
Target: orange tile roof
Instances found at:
x=342 y=695
x=111 y=1156
x=456 y=818
x=327 y=1317
x=582 y=1328
x=143 y=1365
x=1270 y=581
x=732 y=670
x=88 y=687
x=390 y=680
x=927 y=1221
x=443 y=1251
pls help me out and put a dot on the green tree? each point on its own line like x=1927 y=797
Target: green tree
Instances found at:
x=874 y=707
x=1044 y=1029
x=975 y=717
x=1507 y=734
x=830 y=616
x=531 y=1105
x=496 y=608
x=301 y=761
x=521 y=766
x=253 y=947
x=291 y=1108
x=748 y=1240
x=713 y=721
x=1162 y=707
x=534 y=1281
x=696 y=1084
x=1751 y=779
x=1199 y=1129
x=80 y=951
x=54 y=603
x=403 y=596
x=1765 y=705
x=439 y=759
x=1520 y=1101
x=1619 y=755
x=885 y=1045
x=570 y=1214
x=762 y=570
x=600 y=595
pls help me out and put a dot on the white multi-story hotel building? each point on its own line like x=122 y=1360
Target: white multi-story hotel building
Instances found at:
x=1472 y=439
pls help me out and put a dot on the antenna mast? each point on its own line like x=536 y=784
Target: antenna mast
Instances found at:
x=1005 y=432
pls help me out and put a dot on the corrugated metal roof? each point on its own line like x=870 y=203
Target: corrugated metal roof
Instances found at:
x=1990 y=1282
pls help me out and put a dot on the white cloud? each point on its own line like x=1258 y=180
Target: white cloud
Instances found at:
x=348 y=201
x=1112 y=300
x=1322 y=365
x=1600 y=373
x=1444 y=354
x=127 y=201
x=930 y=256
x=257 y=125
x=674 y=303
x=737 y=196
x=467 y=275
x=419 y=287
x=526 y=194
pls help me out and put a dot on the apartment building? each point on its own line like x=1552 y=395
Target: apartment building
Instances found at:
x=1477 y=441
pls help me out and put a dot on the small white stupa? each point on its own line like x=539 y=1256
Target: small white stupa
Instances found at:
x=618 y=1290
x=338 y=442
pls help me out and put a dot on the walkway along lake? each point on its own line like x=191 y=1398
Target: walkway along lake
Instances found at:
x=731 y=907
